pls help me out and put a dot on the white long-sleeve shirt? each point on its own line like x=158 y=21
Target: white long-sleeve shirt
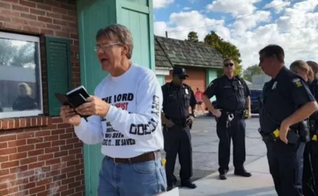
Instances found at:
x=133 y=124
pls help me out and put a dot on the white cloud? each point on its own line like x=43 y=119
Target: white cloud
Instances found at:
x=295 y=29
x=187 y=8
x=235 y=7
x=277 y=5
x=161 y=3
x=181 y=23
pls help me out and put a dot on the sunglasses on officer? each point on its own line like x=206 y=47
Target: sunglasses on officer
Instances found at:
x=228 y=64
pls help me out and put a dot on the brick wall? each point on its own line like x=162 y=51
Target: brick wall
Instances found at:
x=197 y=78
x=41 y=155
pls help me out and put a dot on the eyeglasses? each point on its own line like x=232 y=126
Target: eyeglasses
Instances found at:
x=106 y=46
x=228 y=64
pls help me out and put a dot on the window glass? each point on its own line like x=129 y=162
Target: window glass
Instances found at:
x=20 y=82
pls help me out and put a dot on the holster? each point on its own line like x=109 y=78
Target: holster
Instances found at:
x=292 y=137
x=304 y=131
x=313 y=127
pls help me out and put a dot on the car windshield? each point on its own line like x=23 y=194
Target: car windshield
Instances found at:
x=256 y=93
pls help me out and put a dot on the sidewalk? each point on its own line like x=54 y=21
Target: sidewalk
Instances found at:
x=260 y=184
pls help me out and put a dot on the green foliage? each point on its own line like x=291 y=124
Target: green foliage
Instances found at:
x=193 y=37
x=227 y=50
x=250 y=71
x=16 y=55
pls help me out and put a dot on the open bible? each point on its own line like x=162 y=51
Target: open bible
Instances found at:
x=74 y=98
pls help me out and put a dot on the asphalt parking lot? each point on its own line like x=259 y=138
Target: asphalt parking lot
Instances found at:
x=205 y=146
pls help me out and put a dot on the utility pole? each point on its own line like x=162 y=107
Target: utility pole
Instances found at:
x=166 y=34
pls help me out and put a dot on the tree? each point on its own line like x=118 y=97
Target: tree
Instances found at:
x=6 y=52
x=251 y=71
x=193 y=37
x=24 y=55
x=227 y=50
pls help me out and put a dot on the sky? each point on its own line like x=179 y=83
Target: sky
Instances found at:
x=248 y=24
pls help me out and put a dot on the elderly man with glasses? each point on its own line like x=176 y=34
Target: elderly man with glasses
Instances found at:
x=125 y=117
x=233 y=102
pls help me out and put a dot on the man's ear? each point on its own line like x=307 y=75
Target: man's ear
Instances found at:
x=125 y=50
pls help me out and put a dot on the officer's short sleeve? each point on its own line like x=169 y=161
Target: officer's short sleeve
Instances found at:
x=246 y=89
x=300 y=92
x=211 y=90
x=164 y=94
x=193 y=101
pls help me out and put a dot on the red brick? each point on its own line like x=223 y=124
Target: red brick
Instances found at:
x=51 y=141
x=3 y=159
x=35 y=140
x=37 y=189
x=10 y=13
x=51 y=138
x=18 y=156
x=5 y=138
x=36 y=165
x=66 y=136
x=17 y=143
x=28 y=160
x=52 y=149
x=3 y=145
x=60 y=154
x=43 y=145
x=7 y=151
x=45 y=157
x=9 y=164
x=20 y=8
x=44 y=19
x=37 y=12
x=53 y=161
x=27 y=3
x=44 y=7
x=36 y=152
x=26 y=135
x=59 y=22
x=28 y=16
x=43 y=133
x=5 y=5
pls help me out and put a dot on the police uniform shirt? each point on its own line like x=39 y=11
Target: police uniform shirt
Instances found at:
x=281 y=97
x=313 y=86
x=176 y=100
x=230 y=93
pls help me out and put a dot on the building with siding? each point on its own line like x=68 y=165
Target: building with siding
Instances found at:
x=49 y=45
x=200 y=61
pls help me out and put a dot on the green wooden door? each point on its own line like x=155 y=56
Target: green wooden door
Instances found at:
x=96 y=14
x=92 y=15
x=137 y=15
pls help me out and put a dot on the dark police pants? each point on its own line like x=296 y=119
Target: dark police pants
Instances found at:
x=286 y=166
x=236 y=132
x=310 y=175
x=177 y=140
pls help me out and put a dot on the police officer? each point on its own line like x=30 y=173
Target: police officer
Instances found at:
x=233 y=102
x=310 y=177
x=286 y=101
x=177 y=97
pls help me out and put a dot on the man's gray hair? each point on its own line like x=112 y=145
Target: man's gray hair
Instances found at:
x=120 y=33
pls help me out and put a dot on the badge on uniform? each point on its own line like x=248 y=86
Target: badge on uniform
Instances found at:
x=186 y=91
x=297 y=82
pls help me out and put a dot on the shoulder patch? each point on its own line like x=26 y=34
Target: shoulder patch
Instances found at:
x=297 y=82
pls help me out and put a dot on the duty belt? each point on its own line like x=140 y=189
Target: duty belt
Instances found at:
x=313 y=129
x=292 y=136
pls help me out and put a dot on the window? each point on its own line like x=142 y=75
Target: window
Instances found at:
x=20 y=76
